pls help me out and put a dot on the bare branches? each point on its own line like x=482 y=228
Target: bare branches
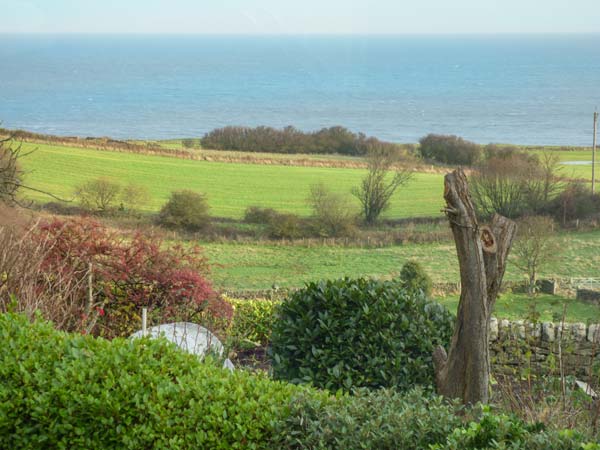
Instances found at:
x=376 y=189
x=12 y=175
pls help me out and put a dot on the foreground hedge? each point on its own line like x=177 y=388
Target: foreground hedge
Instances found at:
x=72 y=391
x=61 y=390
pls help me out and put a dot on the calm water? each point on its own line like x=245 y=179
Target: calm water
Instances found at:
x=519 y=89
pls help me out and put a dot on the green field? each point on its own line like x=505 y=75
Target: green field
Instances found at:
x=259 y=266
x=230 y=187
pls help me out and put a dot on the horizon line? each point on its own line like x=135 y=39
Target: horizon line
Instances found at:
x=302 y=34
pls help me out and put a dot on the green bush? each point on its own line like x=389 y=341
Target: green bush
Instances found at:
x=286 y=226
x=503 y=431
x=185 y=209
x=252 y=321
x=381 y=420
x=358 y=333
x=72 y=391
x=259 y=215
x=415 y=278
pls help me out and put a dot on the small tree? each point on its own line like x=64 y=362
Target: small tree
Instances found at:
x=185 y=209
x=382 y=180
x=332 y=213
x=534 y=248
x=99 y=195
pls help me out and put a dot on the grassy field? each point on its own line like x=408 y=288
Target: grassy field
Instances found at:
x=546 y=307
x=230 y=187
x=259 y=266
x=256 y=267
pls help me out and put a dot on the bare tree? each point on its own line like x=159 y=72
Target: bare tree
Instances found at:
x=515 y=184
x=533 y=248
x=382 y=180
x=464 y=371
x=11 y=175
x=98 y=195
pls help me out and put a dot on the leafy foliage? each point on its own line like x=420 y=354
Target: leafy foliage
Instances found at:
x=252 y=321
x=358 y=333
x=503 y=431
x=415 y=278
x=185 y=209
x=382 y=419
x=80 y=392
x=128 y=273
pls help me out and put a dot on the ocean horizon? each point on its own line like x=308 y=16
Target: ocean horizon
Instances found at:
x=521 y=89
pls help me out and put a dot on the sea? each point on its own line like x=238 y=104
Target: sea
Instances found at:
x=522 y=89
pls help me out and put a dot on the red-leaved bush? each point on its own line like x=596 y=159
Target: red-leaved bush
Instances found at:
x=128 y=273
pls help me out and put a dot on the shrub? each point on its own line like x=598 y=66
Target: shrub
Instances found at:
x=259 y=215
x=502 y=431
x=73 y=391
x=574 y=202
x=332 y=213
x=98 y=195
x=286 y=226
x=511 y=186
x=415 y=278
x=358 y=333
x=252 y=321
x=185 y=209
x=450 y=149
x=290 y=140
x=128 y=274
x=381 y=419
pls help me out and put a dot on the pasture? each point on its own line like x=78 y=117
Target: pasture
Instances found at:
x=230 y=187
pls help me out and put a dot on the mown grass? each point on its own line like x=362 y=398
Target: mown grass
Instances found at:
x=230 y=187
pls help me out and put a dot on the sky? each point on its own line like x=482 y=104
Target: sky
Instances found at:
x=300 y=16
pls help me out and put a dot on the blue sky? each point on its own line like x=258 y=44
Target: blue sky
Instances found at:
x=299 y=17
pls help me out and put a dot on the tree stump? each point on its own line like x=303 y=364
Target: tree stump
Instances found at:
x=464 y=371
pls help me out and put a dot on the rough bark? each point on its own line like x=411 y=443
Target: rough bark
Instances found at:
x=464 y=371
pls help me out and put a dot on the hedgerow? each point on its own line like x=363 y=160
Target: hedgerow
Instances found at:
x=74 y=391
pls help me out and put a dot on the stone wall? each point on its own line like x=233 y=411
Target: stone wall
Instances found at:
x=518 y=345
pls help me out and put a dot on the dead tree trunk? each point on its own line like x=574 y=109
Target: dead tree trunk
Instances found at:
x=464 y=371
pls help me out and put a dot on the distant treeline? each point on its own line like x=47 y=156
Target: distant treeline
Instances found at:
x=291 y=140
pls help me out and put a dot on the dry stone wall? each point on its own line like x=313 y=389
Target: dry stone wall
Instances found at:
x=544 y=346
